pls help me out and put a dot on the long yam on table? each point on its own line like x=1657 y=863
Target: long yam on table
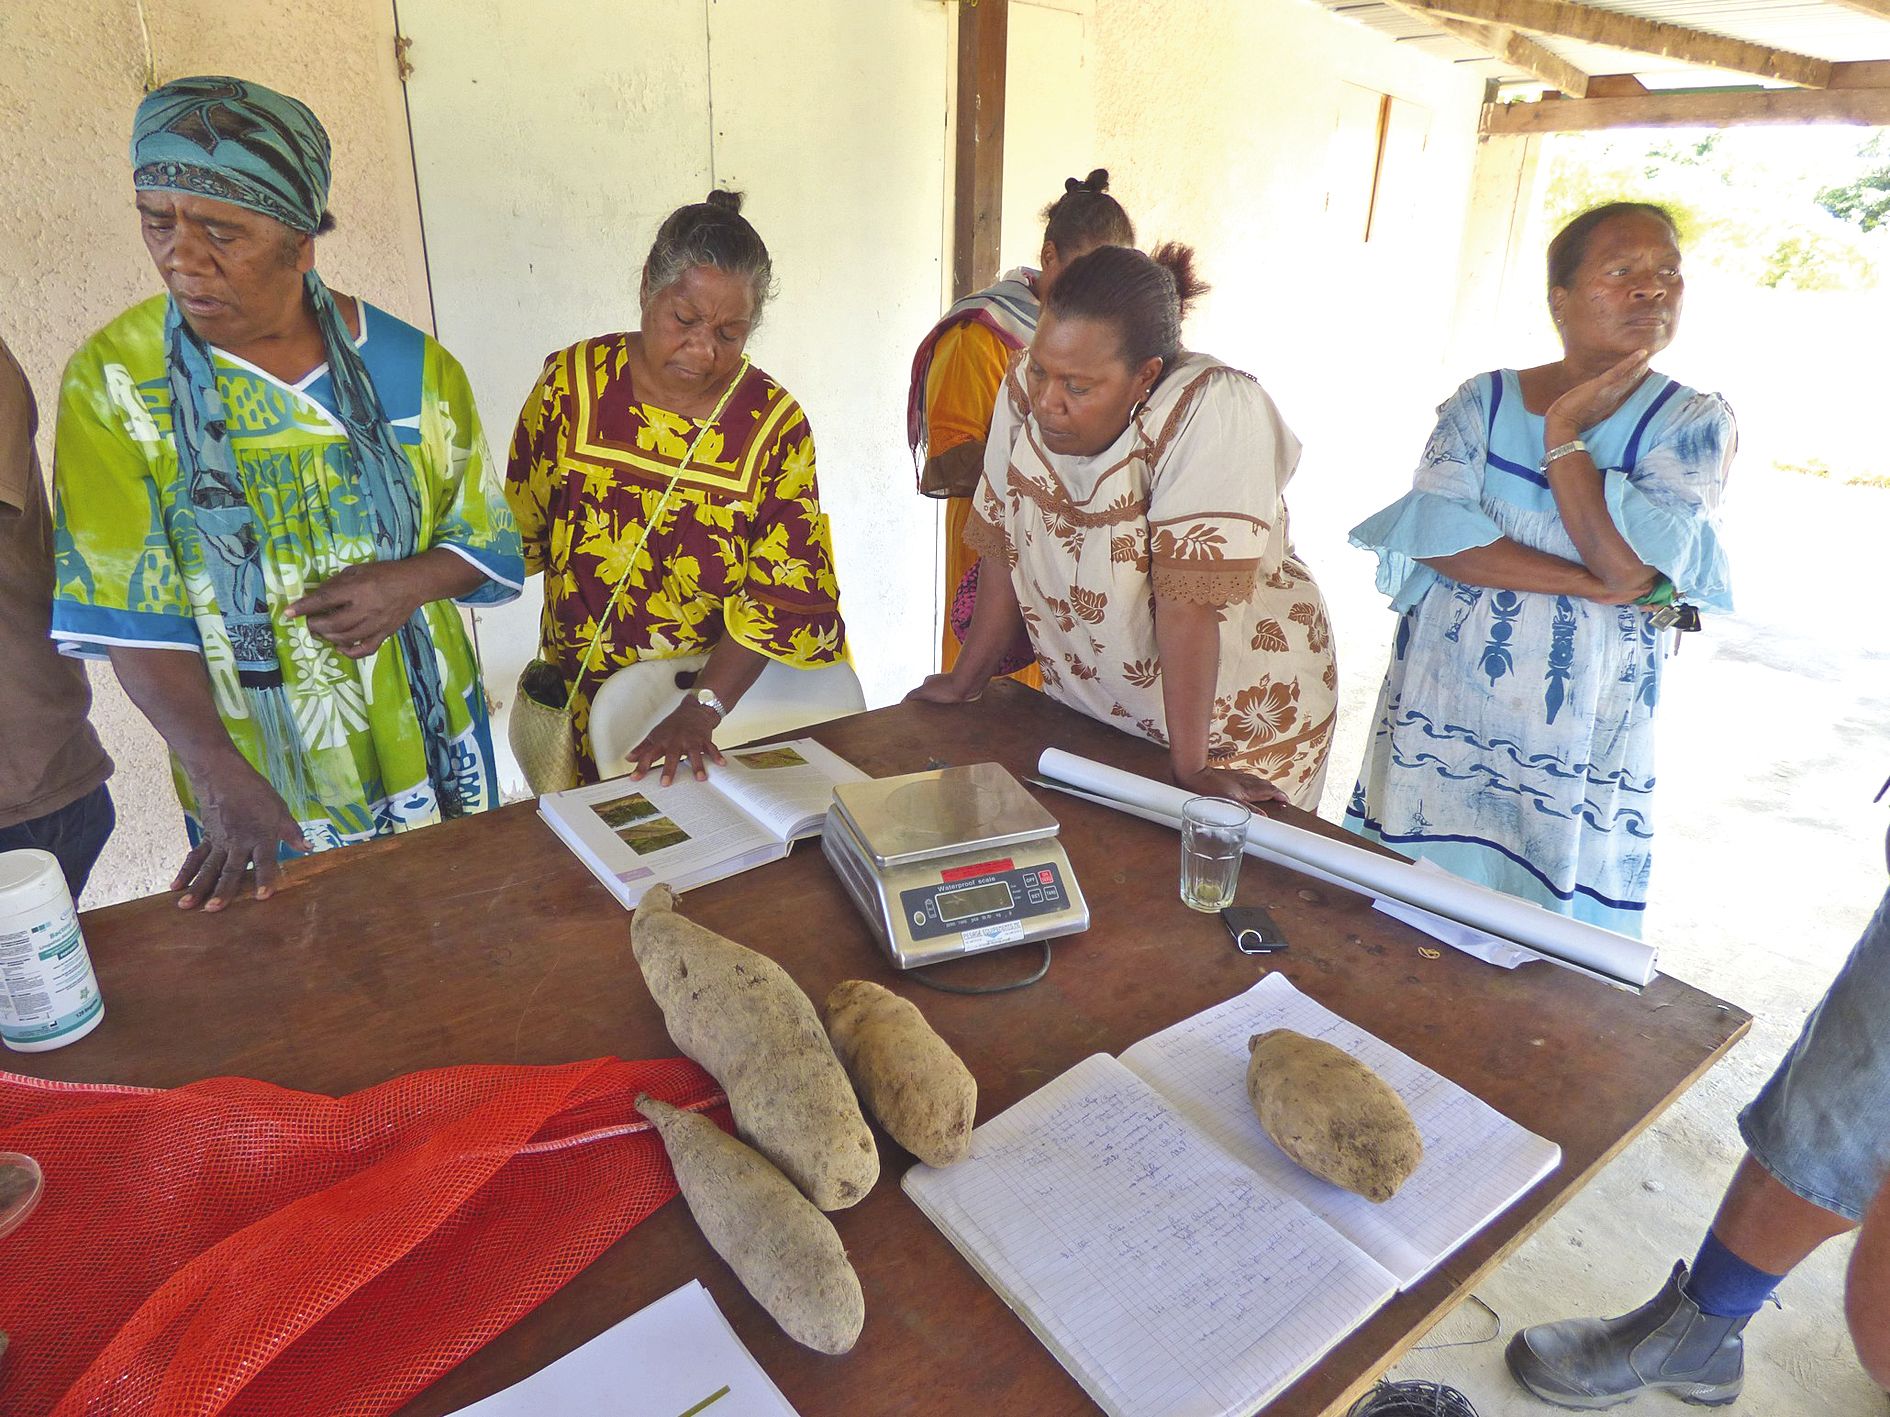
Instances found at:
x=785 y=1252
x=912 y=1082
x=741 y=1016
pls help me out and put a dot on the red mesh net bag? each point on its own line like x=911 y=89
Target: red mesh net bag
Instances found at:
x=234 y=1247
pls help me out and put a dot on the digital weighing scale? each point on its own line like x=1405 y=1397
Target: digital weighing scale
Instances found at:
x=951 y=863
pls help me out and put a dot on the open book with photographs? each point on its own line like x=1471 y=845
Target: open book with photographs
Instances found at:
x=751 y=810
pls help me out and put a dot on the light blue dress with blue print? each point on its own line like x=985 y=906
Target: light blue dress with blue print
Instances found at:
x=1514 y=742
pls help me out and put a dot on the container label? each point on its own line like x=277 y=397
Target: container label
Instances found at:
x=1005 y=933
x=47 y=988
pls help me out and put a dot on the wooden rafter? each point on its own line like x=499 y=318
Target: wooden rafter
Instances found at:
x=1879 y=8
x=1614 y=30
x=1502 y=42
x=1698 y=108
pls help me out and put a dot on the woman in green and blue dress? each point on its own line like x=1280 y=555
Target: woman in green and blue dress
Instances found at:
x=268 y=497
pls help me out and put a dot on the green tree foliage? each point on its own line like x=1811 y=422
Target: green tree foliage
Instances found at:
x=1866 y=199
x=1752 y=206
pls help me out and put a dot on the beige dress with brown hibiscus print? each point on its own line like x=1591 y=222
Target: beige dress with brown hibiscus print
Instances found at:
x=1185 y=506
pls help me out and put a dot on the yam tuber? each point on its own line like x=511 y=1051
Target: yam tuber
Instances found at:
x=909 y=1078
x=1332 y=1114
x=740 y=1016
x=785 y=1252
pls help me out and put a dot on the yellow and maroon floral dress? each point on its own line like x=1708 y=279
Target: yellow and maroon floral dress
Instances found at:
x=741 y=548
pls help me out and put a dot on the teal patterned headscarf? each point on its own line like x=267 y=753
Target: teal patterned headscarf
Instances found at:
x=238 y=142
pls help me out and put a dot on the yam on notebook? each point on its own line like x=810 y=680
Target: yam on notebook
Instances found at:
x=1332 y=1114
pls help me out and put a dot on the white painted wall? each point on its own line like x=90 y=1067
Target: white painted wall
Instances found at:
x=547 y=152
x=829 y=114
x=1050 y=130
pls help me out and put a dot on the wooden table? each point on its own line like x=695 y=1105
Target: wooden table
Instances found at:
x=485 y=941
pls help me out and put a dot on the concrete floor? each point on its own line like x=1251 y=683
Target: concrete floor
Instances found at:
x=1775 y=734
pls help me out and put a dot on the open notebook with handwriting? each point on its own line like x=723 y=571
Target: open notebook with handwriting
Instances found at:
x=1136 y=1216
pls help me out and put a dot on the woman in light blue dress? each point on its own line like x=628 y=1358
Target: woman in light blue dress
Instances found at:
x=1556 y=510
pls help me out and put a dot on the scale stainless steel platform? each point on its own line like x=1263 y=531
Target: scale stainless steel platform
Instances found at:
x=952 y=862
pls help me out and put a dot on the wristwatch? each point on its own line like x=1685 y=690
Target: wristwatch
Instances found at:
x=1573 y=445
x=707 y=698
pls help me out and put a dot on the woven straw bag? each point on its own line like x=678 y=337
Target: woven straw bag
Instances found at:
x=539 y=731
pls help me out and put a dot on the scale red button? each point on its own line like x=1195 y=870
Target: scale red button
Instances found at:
x=1045 y=877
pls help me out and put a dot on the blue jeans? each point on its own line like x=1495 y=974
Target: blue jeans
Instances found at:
x=1821 y=1126
x=75 y=834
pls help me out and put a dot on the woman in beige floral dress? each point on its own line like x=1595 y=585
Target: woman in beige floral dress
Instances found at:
x=1134 y=489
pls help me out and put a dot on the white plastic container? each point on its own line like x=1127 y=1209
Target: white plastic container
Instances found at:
x=48 y=994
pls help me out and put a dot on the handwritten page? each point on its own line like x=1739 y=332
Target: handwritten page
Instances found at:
x=1476 y=1163
x=1163 y=1274
x=677 y=1357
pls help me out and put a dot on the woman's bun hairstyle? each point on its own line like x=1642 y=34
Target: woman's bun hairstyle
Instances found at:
x=1177 y=258
x=712 y=232
x=1086 y=217
x=1142 y=298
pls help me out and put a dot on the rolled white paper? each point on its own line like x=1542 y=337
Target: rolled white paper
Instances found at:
x=1354 y=868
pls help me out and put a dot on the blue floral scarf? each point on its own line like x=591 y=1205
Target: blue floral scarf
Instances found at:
x=241 y=143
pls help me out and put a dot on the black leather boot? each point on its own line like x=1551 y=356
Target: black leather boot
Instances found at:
x=1666 y=1345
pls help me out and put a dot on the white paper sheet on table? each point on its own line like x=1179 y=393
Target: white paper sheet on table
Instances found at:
x=1480 y=944
x=1561 y=937
x=677 y=1357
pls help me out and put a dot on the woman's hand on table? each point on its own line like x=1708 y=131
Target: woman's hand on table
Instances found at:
x=1590 y=402
x=1250 y=788
x=944 y=689
x=245 y=822
x=687 y=735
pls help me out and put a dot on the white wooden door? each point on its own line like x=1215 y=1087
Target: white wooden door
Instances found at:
x=551 y=137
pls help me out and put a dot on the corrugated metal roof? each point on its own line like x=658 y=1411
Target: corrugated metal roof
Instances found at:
x=1815 y=27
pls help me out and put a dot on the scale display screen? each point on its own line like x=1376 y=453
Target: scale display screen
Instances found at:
x=973 y=900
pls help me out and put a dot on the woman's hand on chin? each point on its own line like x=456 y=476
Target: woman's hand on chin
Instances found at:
x=1594 y=400
x=943 y=689
x=1257 y=792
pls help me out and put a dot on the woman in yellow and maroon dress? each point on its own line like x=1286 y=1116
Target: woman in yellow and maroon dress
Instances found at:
x=738 y=560
x=960 y=367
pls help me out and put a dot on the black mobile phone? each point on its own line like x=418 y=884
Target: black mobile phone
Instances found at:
x=1253 y=930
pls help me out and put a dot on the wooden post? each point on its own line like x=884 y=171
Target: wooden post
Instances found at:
x=978 y=167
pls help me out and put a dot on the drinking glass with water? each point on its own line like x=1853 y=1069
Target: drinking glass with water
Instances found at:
x=1213 y=835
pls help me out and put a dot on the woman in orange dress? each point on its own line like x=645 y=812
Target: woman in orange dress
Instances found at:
x=960 y=367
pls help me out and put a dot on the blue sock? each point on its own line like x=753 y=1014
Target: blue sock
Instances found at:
x=1726 y=1286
